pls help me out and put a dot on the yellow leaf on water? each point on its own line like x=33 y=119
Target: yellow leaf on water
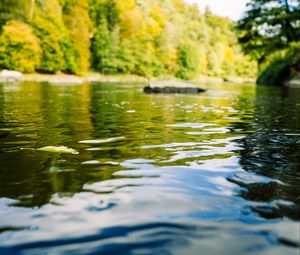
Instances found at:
x=58 y=149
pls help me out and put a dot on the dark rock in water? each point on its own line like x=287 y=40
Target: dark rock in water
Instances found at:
x=172 y=87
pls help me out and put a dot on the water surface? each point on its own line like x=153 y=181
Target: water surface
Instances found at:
x=215 y=173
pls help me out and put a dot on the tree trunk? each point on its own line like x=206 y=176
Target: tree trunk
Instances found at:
x=31 y=11
x=288 y=27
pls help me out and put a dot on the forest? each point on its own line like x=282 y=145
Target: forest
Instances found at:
x=150 y=38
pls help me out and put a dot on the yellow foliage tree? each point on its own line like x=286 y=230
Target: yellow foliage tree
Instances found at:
x=125 y=5
x=132 y=23
x=19 y=47
x=78 y=22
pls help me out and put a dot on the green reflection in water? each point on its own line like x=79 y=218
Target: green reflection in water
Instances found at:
x=36 y=115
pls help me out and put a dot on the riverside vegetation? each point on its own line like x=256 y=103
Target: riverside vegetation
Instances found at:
x=157 y=38
x=147 y=38
x=270 y=33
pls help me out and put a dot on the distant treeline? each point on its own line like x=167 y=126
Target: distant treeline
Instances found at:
x=144 y=37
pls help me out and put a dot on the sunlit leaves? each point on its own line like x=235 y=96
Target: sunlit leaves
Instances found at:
x=145 y=37
x=132 y=23
x=19 y=47
x=77 y=20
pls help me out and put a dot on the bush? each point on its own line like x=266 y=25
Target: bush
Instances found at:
x=280 y=67
x=19 y=47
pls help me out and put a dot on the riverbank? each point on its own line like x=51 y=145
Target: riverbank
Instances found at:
x=74 y=79
x=98 y=77
x=10 y=76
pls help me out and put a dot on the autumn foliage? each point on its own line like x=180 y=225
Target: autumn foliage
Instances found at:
x=148 y=38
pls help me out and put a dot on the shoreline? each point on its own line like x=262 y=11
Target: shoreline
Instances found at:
x=98 y=77
x=75 y=79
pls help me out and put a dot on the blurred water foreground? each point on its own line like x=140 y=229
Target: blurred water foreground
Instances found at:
x=105 y=168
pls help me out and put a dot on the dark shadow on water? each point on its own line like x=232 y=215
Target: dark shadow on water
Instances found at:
x=157 y=237
x=273 y=151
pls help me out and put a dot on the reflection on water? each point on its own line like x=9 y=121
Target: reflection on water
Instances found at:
x=273 y=151
x=155 y=174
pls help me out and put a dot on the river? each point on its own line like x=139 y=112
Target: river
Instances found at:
x=214 y=173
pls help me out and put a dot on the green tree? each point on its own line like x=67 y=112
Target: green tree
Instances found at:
x=269 y=25
x=105 y=42
x=18 y=9
x=11 y=9
x=105 y=47
x=188 y=61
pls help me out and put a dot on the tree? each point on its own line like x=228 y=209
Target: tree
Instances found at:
x=77 y=21
x=188 y=60
x=11 y=9
x=269 y=25
x=144 y=37
x=19 y=47
x=31 y=10
x=58 y=51
x=105 y=45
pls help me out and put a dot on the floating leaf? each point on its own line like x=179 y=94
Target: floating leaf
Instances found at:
x=91 y=162
x=58 y=149
x=108 y=140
